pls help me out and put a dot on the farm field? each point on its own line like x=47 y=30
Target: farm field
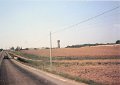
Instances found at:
x=102 y=64
x=103 y=71
x=95 y=51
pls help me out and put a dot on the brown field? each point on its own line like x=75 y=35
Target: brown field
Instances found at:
x=105 y=71
x=109 y=75
x=96 y=51
x=102 y=71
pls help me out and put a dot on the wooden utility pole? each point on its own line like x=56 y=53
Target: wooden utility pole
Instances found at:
x=50 y=51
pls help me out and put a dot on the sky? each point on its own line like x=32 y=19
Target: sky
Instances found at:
x=27 y=23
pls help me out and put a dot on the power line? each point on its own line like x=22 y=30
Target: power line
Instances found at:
x=86 y=20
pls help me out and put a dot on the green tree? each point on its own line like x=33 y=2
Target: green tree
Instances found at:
x=12 y=48
x=118 y=42
x=1 y=49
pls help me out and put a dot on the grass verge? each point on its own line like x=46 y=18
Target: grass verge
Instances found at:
x=45 y=67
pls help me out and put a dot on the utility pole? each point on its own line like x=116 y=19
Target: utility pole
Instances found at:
x=50 y=51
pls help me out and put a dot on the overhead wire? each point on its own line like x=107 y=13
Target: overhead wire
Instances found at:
x=86 y=20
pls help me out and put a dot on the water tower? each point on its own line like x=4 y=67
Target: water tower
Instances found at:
x=58 y=42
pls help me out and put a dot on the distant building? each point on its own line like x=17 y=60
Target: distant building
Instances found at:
x=58 y=42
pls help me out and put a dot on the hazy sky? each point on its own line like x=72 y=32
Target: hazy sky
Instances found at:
x=28 y=23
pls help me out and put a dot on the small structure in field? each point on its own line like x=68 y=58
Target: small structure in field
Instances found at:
x=58 y=42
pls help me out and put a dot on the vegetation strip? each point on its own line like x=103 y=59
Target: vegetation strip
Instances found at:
x=35 y=57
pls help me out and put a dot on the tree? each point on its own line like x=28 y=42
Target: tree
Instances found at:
x=17 y=48
x=12 y=48
x=118 y=42
x=26 y=48
x=1 y=49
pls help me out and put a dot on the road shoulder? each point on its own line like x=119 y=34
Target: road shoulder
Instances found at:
x=58 y=80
